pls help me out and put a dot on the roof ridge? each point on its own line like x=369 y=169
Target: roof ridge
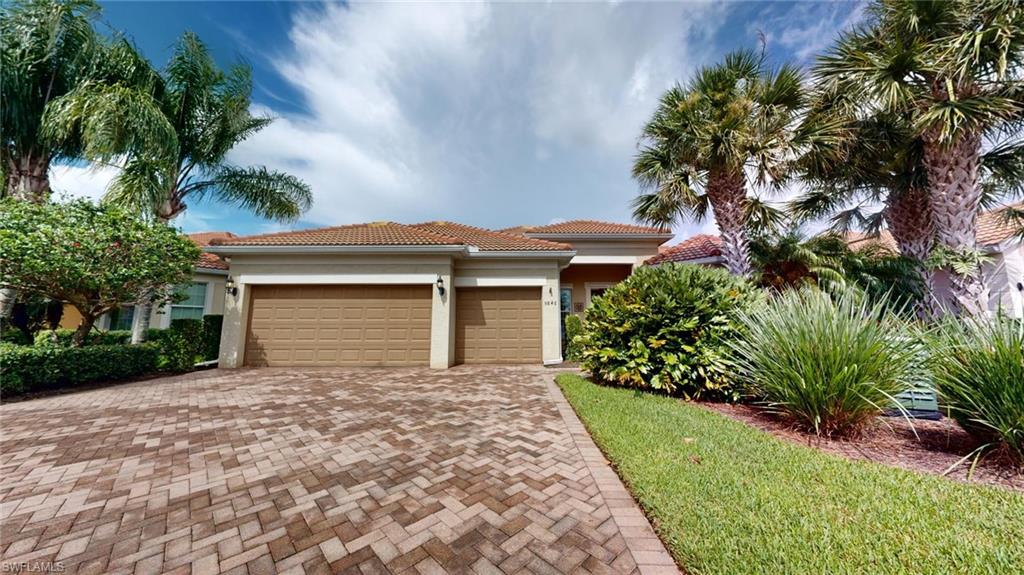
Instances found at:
x=510 y=237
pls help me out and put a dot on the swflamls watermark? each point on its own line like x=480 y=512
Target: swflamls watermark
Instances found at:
x=32 y=567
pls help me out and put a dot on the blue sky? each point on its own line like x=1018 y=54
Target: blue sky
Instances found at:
x=488 y=114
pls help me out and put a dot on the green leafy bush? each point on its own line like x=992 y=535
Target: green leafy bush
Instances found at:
x=665 y=328
x=978 y=369
x=829 y=364
x=181 y=346
x=30 y=368
x=63 y=337
x=212 y=325
x=573 y=329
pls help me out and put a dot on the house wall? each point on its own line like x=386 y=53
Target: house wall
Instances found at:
x=338 y=269
x=500 y=272
x=619 y=251
x=577 y=276
x=1002 y=273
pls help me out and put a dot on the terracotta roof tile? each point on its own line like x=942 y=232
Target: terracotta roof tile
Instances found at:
x=695 y=248
x=373 y=234
x=993 y=227
x=489 y=240
x=858 y=241
x=206 y=259
x=575 y=227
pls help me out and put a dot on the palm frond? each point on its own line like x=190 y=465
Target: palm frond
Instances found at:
x=273 y=195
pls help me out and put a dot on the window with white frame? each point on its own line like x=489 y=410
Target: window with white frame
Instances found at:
x=121 y=318
x=194 y=303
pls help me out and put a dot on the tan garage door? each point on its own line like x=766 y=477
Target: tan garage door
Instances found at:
x=497 y=325
x=328 y=325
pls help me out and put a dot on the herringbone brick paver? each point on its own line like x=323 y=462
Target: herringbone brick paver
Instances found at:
x=470 y=470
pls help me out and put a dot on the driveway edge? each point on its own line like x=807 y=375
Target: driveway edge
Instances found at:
x=643 y=543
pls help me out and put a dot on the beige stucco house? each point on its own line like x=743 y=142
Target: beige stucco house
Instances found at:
x=437 y=293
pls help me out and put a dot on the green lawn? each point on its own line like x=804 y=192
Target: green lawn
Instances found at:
x=727 y=498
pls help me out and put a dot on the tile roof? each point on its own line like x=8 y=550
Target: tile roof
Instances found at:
x=992 y=229
x=373 y=234
x=583 y=227
x=394 y=234
x=206 y=259
x=489 y=240
x=695 y=248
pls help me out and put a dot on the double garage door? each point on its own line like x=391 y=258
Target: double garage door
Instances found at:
x=387 y=325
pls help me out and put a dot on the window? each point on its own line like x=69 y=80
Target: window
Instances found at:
x=194 y=304
x=121 y=318
x=596 y=290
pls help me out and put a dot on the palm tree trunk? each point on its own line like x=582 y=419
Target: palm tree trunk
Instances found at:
x=728 y=195
x=909 y=219
x=954 y=196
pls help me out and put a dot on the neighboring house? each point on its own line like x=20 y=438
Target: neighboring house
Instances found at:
x=437 y=294
x=205 y=294
x=701 y=249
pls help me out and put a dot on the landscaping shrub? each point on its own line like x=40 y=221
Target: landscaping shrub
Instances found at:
x=212 y=325
x=830 y=364
x=181 y=346
x=30 y=368
x=666 y=328
x=63 y=337
x=978 y=369
x=573 y=329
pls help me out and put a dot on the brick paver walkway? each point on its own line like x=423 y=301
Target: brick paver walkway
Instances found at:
x=480 y=469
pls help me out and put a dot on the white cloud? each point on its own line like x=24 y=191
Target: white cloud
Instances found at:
x=81 y=181
x=453 y=110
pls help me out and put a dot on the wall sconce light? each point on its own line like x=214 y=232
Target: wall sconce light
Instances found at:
x=440 y=286
x=230 y=287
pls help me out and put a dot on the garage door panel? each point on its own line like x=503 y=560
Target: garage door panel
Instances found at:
x=498 y=325
x=339 y=325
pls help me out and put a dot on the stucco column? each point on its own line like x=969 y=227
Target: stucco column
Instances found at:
x=232 y=335
x=442 y=318
x=551 y=337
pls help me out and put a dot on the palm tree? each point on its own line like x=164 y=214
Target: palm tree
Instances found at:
x=52 y=61
x=209 y=111
x=704 y=137
x=955 y=68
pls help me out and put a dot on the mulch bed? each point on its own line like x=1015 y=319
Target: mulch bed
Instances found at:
x=891 y=441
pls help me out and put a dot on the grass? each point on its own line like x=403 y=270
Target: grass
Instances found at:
x=727 y=498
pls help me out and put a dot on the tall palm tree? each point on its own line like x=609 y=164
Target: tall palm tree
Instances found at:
x=704 y=137
x=52 y=61
x=955 y=68
x=209 y=111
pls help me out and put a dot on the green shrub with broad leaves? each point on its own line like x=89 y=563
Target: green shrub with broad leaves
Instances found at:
x=573 y=330
x=25 y=368
x=181 y=346
x=978 y=369
x=665 y=328
x=63 y=337
x=212 y=325
x=829 y=364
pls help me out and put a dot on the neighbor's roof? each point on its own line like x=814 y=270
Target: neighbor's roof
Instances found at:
x=993 y=229
x=587 y=227
x=695 y=248
x=395 y=234
x=489 y=240
x=206 y=259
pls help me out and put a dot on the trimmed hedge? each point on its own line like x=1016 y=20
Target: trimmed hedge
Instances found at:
x=62 y=337
x=26 y=368
x=181 y=346
x=212 y=325
x=573 y=329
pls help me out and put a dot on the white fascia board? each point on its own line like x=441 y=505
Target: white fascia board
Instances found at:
x=337 y=278
x=413 y=249
x=608 y=259
x=534 y=254
x=465 y=282
x=662 y=236
x=211 y=271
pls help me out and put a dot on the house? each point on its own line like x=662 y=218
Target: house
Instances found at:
x=204 y=295
x=1004 y=270
x=436 y=293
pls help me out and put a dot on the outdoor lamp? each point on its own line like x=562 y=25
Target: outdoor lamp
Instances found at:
x=230 y=287
x=440 y=286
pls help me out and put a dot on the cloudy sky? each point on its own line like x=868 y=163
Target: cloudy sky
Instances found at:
x=489 y=114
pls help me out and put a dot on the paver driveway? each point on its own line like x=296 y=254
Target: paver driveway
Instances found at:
x=364 y=470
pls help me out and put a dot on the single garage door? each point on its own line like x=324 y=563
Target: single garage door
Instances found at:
x=497 y=325
x=326 y=325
